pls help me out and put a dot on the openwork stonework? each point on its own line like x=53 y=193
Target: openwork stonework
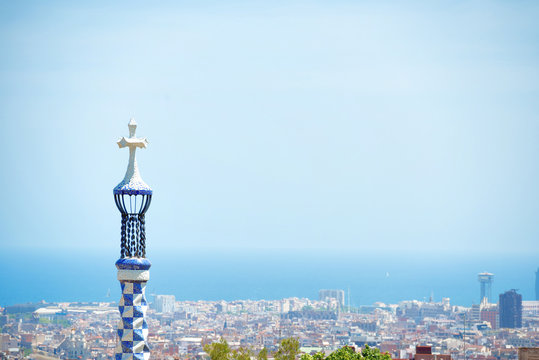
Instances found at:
x=133 y=231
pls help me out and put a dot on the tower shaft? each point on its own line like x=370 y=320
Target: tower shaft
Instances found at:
x=133 y=197
x=133 y=329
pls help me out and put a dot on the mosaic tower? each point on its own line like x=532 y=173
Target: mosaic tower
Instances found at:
x=133 y=196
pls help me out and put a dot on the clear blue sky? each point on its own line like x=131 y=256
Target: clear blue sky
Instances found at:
x=274 y=125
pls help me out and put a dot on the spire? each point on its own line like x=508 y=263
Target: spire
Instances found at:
x=133 y=197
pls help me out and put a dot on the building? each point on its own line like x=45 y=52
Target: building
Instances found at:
x=485 y=287
x=527 y=353
x=327 y=295
x=164 y=303
x=510 y=307
x=530 y=308
x=537 y=284
x=475 y=312
x=425 y=353
x=20 y=308
x=73 y=347
x=8 y=342
x=490 y=314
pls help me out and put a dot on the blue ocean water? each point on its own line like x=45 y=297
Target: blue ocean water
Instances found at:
x=29 y=276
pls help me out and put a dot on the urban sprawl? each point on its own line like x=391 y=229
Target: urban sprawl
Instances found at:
x=179 y=329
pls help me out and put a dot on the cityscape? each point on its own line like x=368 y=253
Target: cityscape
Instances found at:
x=330 y=180
x=493 y=329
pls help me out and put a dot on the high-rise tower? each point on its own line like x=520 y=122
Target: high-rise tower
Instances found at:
x=537 y=284
x=325 y=295
x=510 y=309
x=485 y=279
x=133 y=196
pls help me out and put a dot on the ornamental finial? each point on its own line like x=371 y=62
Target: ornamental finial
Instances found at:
x=132 y=184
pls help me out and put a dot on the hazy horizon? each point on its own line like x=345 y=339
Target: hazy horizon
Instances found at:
x=267 y=274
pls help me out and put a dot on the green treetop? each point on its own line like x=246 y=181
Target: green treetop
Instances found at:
x=288 y=349
x=348 y=353
x=218 y=350
x=221 y=351
x=263 y=354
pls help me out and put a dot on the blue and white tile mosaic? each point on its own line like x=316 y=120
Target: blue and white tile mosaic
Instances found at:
x=133 y=329
x=133 y=188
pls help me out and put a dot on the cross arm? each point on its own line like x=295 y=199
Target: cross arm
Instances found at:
x=132 y=142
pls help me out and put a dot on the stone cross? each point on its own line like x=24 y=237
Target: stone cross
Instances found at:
x=132 y=142
x=132 y=174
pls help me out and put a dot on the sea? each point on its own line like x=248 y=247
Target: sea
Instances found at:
x=232 y=274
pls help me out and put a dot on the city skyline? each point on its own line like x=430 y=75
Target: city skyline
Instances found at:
x=184 y=327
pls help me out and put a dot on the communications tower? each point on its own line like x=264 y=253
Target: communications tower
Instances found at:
x=133 y=196
x=485 y=279
x=537 y=284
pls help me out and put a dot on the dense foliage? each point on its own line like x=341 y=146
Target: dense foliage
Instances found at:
x=289 y=350
x=221 y=351
x=348 y=353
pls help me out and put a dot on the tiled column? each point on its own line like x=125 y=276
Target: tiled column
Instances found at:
x=133 y=273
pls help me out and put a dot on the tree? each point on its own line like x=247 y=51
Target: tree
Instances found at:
x=288 y=349
x=218 y=350
x=344 y=353
x=221 y=351
x=242 y=354
x=369 y=353
x=263 y=354
x=316 y=356
x=348 y=353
